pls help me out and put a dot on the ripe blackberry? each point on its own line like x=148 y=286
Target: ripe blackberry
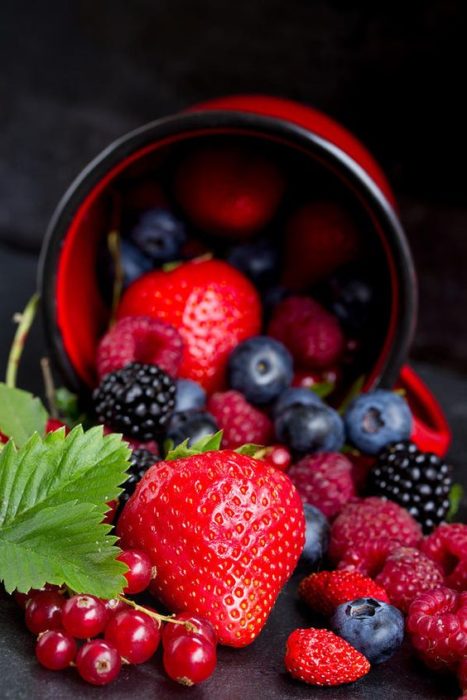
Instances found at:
x=140 y=461
x=418 y=481
x=137 y=400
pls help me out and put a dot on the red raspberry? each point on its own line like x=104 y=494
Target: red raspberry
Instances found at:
x=140 y=339
x=368 y=557
x=371 y=518
x=407 y=573
x=320 y=657
x=447 y=546
x=240 y=421
x=324 y=480
x=311 y=333
x=324 y=591
x=437 y=625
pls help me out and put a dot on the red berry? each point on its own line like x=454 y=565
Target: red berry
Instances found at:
x=324 y=481
x=110 y=515
x=44 y=611
x=407 y=573
x=84 y=616
x=140 y=339
x=278 y=456
x=437 y=625
x=203 y=628
x=320 y=657
x=55 y=650
x=189 y=659
x=241 y=422
x=447 y=546
x=135 y=635
x=311 y=333
x=325 y=590
x=140 y=571
x=55 y=424
x=98 y=662
x=114 y=606
x=368 y=557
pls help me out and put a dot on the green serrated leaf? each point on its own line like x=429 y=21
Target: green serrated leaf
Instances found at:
x=352 y=394
x=251 y=450
x=21 y=414
x=53 y=495
x=208 y=443
x=455 y=497
x=323 y=389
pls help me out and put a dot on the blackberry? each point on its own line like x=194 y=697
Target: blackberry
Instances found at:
x=137 y=400
x=418 y=481
x=140 y=461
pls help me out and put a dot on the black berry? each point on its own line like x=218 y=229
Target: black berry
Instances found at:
x=140 y=461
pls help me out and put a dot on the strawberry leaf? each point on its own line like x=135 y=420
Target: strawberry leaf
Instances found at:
x=208 y=443
x=53 y=495
x=455 y=497
x=251 y=450
x=21 y=414
x=323 y=389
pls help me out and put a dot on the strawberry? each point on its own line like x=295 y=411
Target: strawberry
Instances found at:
x=224 y=532
x=321 y=237
x=320 y=657
x=324 y=591
x=213 y=306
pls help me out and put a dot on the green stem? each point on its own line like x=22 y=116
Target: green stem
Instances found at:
x=49 y=387
x=156 y=616
x=113 y=243
x=25 y=321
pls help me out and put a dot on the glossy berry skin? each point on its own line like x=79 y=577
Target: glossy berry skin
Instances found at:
x=240 y=421
x=246 y=532
x=55 y=650
x=202 y=628
x=134 y=635
x=98 y=662
x=134 y=262
x=84 y=616
x=44 y=611
x=316 y=536
x=376 y=419
x=189 y=659
x=258 y=260
x=191 y=425
x=260 y=368
x=278 y=456
x=139 y=572
x=324 y=591
x=375 y=628
x=295 y=396
x=159 y=234
x=310 y=429
x=213 y=306
x=189 y=396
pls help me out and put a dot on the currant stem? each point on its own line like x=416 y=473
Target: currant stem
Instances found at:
x=24 y=321
x=157 y=616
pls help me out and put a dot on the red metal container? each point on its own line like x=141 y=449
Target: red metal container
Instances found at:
x=74 y=313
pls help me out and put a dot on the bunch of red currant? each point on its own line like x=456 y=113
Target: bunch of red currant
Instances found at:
x=117 y=631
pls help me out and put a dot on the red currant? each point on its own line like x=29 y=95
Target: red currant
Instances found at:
x=189 y=659
x=203 y=628
x=55 y=650
x=278 y=456
x=84 y=616
x=114 y=606
x=22 y=598
x=135 y=635
x=98 y=662
x=140 y=570
x=43 y=611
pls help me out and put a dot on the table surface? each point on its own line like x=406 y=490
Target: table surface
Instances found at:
x=241 y=674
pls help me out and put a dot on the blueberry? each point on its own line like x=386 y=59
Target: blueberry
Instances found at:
x=376 y=419
x=310 y=429
x=159 y=234
x=260 y=368
x=134 y=262
x=296 y=396
x=316 y=535
x=375 y=628
x=190 y=395
x=258 y=260
x=192 y=425
x=350 y=295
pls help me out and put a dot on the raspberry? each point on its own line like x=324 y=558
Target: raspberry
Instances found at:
x=324 y=480
x=437 y=625
x=320 y=657
x=324 y=591
x=406 y=573
x=371 y=518
x=447 y=546
x=311 y=333
x=240 y=421
x=368 y=557
x=140 y=339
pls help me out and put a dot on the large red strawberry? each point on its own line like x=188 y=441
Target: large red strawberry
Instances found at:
x=213 y=306
x=224 y=532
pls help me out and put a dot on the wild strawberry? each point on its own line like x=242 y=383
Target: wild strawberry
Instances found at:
x=213 y=306
x=224 y=532
x=324 y=591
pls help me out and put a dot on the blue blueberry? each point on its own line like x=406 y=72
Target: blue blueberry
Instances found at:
x=375 y=628
x=258 y=260
x=134 y=262
x=316 y=536
x=190 y=395
x=192 y=425
x=376 y=419
x=296 y=396
x=159 y=234
x=310 y=429
x=350 y=295
x=260 y=368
